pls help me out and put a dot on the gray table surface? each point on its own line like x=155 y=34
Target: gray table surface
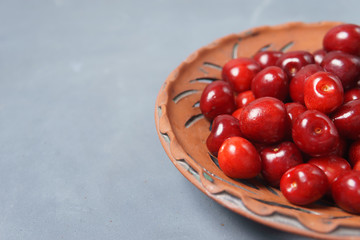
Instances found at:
x=79 y=153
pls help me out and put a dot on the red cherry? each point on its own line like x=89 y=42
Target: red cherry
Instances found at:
x=323 y=92
x=223 y=127
x=332 y=166
x=344 y=37
x=297 y=83
x=217 y=98
x=343 y=65
x=293 y=110
x=271 y=82
x=238 y=158
x=293 y=61
x=345 y=191
x=244 y=98
x=319 y=55
x=354 y=153
x=239 y=73
x=264 y=120
x=352 y=94
x=276 y=160
x=315 y=134
x=236 y=114
x=347 y=120
x=303 y=184
x=267 y=58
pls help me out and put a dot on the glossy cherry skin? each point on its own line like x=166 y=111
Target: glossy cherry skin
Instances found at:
x=345 y=191
x=236 y=114
x=354 y=153
x=276 y=160
x=239 y=73
x=264 y=120
x=293 y=110
x=223 y=127
x=345 y=38
x=347 y=120
x=297 y=83
x=267 y=58
x=343 y=65
x=332 y=166
x=244 y=98
x=304 y=184
x=238 y=158
x=217 y=98
x=351 y=94
x=319 y=55
x=292 y=62
x=324 y=92
x=315 y=134
x=271 y=82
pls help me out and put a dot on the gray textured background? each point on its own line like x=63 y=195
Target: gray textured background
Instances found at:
x=79 y=154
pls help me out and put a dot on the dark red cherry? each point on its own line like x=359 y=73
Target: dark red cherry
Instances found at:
x=239 y=73
x=293 y=110
x=319 y=55
x=344 y=37
x=297 y=83
x=347 y=120
x=332 y=166
x=217 y=98
x=292 y=62
x=271 y=82
x=343 y=65
x=345 y=191
x=315 y=134
x=354 y=153
x=324 y=92
x=223 y=127
x=264 y=120
x=304 y=184
x=276 y=160
x=244 y=98
x=351 y=94
x=267 y=58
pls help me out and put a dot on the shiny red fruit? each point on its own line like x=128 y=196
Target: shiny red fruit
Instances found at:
x=351 y=94
x=345 y=38
x=293 y=110
x=346 y=193
x=267 y=58
x=223 y=127
x=303 y=184
x=324 y=92
x=217 y=98
x=271 y=82
x=343 y=65
x=332 y=166
x=238 y=158
x=319 y=55
x=297 y=83
x=244 y=98
x=239 y=73
x=315 y=134
x=276 y=160
x=347 y=120
x=236 y=114
x=292 y=62
x=264 y=120
x=354 y=153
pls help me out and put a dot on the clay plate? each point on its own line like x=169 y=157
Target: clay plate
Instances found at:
x=183 y=130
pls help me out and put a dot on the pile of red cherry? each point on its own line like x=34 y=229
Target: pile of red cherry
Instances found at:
x=293 y=118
